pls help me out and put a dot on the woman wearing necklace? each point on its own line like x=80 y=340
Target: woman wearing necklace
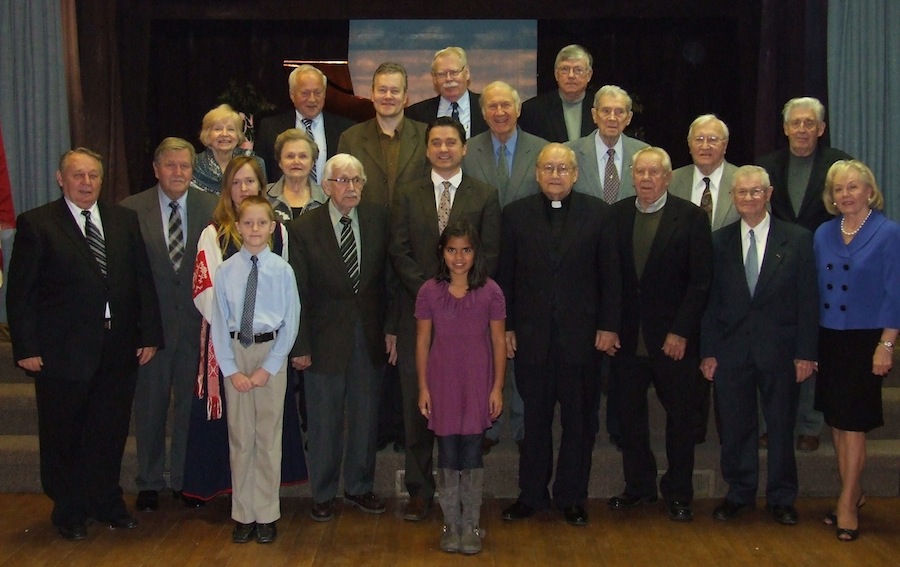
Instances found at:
x=859 y=315
x=297 y=191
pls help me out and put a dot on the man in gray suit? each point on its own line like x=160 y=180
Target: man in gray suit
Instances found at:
x=707 y=182
x=171 y=216
x=512 y=175
x=604 y=155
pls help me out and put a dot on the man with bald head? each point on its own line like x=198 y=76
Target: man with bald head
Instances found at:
x=664 y=250
x=560 y=292
x=707 y=181
x=563 y=114
x=451 y=76
x=307 y=87
x=605 y=154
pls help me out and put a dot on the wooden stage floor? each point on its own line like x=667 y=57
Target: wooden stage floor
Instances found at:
x=176 y=536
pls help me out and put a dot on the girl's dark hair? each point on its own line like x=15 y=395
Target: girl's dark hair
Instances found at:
x=462 y=229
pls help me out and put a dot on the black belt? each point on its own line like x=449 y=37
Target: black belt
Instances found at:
x=257 y=339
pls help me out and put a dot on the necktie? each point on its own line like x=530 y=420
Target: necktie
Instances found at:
x=751 y=265
x=246 y=334
x=454 y=110
x=502 y=169
x=611 y=178
x=348 y=252
x=307 y=123
x=444 y=208
x=176 y=237
x=706 y=201
x=95 y=241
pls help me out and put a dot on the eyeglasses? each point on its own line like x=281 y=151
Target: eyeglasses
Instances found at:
x=452 y=73
x=562 y=170
x=578 y=71
x=713 y=141
x=345 y=181
x=755 y=193
x=807 y=124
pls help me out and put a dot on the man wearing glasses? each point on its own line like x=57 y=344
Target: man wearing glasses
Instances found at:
x=560 y=287
x=563 y=115
x=605 y=153
x=798 y=178
x=450 y=74
x=759 y=335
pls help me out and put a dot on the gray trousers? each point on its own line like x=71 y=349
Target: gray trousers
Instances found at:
x=332 y=399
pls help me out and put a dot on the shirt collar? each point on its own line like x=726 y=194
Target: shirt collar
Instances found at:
x=654 y=206
x=454 y=180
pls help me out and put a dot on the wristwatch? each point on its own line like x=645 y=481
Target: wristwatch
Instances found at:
x=887 y=344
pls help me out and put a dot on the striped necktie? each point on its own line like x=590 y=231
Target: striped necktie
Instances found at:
x=246 y=334
x=176 y=237
x=95 y=241
x=348 y=252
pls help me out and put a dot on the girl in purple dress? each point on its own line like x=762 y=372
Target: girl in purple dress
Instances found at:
x=461 y=360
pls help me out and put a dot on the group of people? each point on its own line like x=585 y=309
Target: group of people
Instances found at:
x=506 y=257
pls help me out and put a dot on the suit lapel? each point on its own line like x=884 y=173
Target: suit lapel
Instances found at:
x=671 y=216
x=424 y=195
x=151 y=218
x=69 y=227
x=772 y=258
x=367 y=236
x=329 y=246
x=734 y=258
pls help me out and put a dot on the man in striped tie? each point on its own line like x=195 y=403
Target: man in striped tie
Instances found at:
x=172 y=215
x=339 y=253
x=84 y=315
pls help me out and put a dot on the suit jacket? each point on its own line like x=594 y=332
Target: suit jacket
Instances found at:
x=780 y=322
x=480 y=164
x=180 y=319
x=271 y=127
x=331 y=309
x=682 y=185
x=812 y=209
x=57 y=294
x=414 y=229
x=573 y=286
x=362 y=142
x=543 y=116
x=426 y=111
x=589 y=174
x=671 y=295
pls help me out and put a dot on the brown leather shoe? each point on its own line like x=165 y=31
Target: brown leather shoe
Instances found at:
x=764 y=441
x=807 y=443
x=368 y=502
x=322 y=511
x=416 y=509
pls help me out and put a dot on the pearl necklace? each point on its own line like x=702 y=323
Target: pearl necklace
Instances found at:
x=853 y=232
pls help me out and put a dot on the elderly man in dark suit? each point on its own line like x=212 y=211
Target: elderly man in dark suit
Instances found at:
x=451 y=76
x=84 y=315
x=390 y=147
x=307 y=87
x=798 y=179
x=759 y=334
x=420 y=212
x=171 y=215
x=563 y=115
x=559 y=283
x=664 y=248
x=339 y=253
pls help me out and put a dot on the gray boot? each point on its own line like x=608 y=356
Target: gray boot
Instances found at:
x=471 y=486
x=448 y=497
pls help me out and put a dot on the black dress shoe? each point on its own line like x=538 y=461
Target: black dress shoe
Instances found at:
x=72 y=532
x=576 y=515
x=147 y=501
x=266 y=533
x=192 y=502
x=368 y=502
x=177 y=494
x=728 y=509
x=623 y=501
x=784 y=515
x=125 y=522
x=518 y=511
x=416 y=509
x=487 y=444
x=679 y=511
x=322 y=511
x=243 y=533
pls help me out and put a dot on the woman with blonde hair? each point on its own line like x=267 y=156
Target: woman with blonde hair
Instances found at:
x=222 y=134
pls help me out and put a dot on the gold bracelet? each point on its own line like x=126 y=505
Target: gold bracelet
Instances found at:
x=888 y=345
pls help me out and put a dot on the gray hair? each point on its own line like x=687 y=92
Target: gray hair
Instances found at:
x=703 y=119
x=613 y=91
x=573 y=51
x=343 y=161
x=804 y=102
